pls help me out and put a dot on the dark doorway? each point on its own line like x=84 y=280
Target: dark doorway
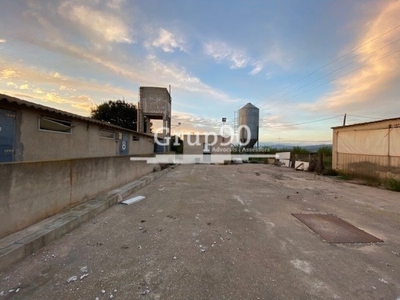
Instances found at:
x=7 y=124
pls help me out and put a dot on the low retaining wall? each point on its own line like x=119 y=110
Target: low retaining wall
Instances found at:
x=33 y=191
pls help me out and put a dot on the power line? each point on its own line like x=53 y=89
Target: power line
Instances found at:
x=342 y=67
x=328 y=64
x=331 y=80
x=308 y=122
x=364 y=117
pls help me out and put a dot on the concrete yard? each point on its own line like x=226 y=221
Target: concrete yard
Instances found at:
x=222 y=232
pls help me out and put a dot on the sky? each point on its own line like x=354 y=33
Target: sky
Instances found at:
x=303 y=63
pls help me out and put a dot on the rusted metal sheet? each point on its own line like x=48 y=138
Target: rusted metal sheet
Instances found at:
x=335 y=230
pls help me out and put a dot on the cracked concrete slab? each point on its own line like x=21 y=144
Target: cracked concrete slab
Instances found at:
x=222 y=232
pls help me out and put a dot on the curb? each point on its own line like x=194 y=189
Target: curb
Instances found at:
x=23 y=243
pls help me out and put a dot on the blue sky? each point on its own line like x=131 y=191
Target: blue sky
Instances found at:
x=216 y=55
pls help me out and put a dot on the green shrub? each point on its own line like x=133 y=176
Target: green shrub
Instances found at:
x=330 y=172
x=392 y=184
x=344 y=176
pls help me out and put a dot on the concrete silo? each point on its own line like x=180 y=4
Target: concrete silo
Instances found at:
x=249 y=116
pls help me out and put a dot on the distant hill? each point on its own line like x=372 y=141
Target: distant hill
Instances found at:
x=314 y=148
x=311 y=148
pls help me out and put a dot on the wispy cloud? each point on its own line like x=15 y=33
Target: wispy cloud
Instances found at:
x=116 y=4
x=377 y=66
x=194 y=123
x=181 y=79
x=81 y=102
x=73 y=31
x=8 y=73
x=220 y=51
x=257 y=67
x=239 y=59
x=43 y=87
x=97 y=23
x=3 y=40
x=272 y=121
x=151 y=71
x=169 y=41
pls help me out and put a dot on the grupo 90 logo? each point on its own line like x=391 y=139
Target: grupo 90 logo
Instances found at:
x=228 y=134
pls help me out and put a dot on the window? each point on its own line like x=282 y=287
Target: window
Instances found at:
x=55 y=125
x=107 y=134
x=135 y=138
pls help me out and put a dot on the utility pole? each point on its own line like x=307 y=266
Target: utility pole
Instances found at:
x=344 y=119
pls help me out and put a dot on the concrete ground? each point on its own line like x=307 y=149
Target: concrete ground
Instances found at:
x=222 y=232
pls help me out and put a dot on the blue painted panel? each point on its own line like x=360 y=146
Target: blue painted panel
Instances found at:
x=124 y=145
x=7 y=124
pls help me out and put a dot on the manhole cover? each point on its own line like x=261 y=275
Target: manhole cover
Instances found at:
x=335 y=230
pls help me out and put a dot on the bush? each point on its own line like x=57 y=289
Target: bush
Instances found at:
x=330 y=172
x=344 y=176
x=392 y=184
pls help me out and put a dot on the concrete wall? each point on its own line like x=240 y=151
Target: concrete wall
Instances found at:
x=33 y=191
x=32 y=144
x=155 y=101
x=193 y=144
x=384 y=164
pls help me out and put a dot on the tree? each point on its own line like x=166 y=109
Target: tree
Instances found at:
x=118 y=113
x=178 y=149
x=300 y=150
x=325 y=150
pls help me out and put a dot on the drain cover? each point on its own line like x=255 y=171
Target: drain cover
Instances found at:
x=335 y=230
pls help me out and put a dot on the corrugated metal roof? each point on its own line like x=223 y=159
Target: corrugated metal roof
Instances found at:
x=367 y=123
x=20 y=102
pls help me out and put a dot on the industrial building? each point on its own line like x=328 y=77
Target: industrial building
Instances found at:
x=205 y=146
x=33 y=132
x=155 y=104
x=371 y=149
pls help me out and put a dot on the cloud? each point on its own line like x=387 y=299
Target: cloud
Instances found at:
x=65 y=88
x=194 y=123
x=115 y=4
x=82 y=102
x=238 y=59
x=168 y=41
x=257 y=67
x=73 y=38
x=43 y=85
x=220 y=51
x=149 y=72
x=377 y=66
x=8 y=73
x=53 y=97
x=103 y=24
x=38 y=91
x=3 y=40
x=179 y=78
x=277 y=123
x=12 y=84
